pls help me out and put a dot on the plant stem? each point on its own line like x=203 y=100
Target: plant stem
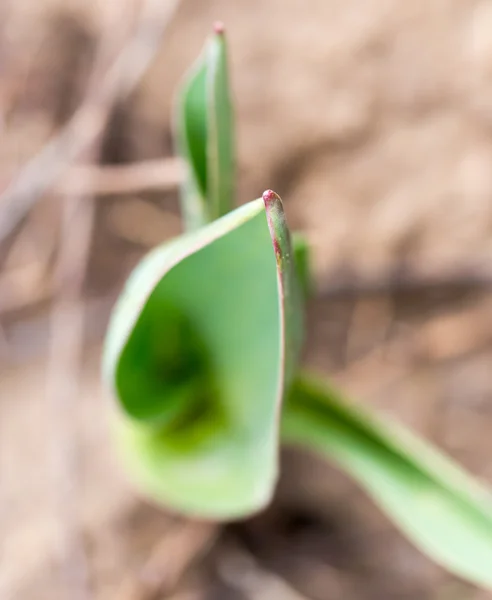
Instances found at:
x=440 y=509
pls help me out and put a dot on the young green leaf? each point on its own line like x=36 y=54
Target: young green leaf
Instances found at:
x=441 y=509
x=198 y=353
x=205 y=136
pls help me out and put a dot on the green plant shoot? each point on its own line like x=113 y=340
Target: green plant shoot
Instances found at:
x=205 y=136
x=199 y=391
x=202 y=355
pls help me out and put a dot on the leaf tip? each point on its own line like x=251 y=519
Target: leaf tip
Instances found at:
x=219 y=28
x=270 y=197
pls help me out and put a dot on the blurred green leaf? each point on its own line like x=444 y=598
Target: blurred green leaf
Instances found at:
x=204 y=132
x=196 y=354
x=440 y=508
x=302 y=263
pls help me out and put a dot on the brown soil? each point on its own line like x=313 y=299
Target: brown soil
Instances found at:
x=373 y=120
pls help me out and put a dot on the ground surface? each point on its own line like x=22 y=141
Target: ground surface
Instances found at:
x=373 y=120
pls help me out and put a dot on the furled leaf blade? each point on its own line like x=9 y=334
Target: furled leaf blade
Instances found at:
x=220 y=143
x=288 y=271
x=218 y=458
x=204 y=132
x=191 y=141
x=441 y=509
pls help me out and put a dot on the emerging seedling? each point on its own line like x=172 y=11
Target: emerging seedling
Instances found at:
x=202 y=357
x=205 y=136
x=197 y=355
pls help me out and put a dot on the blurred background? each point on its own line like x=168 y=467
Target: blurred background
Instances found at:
x=373 y=120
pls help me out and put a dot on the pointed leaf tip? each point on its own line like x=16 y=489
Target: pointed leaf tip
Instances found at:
x=219 y=28
x=269 y=197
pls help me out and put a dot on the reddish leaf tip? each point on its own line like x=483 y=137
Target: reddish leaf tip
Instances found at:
x=269 y=196
x=219 y=27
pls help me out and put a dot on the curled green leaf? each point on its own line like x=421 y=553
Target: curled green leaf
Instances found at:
x=204 y=131
x=198 y=353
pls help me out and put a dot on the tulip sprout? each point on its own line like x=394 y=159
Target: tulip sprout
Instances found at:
x=202 y=357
